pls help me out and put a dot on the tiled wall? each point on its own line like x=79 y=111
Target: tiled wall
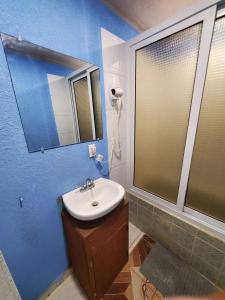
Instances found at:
x=203 y=251
x=114 y=76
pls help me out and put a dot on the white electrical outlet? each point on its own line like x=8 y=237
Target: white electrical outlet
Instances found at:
x=92 y=150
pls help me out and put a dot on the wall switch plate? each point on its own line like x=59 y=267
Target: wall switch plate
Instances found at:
x=92 y=150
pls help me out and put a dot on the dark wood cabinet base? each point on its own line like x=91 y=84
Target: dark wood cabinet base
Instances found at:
x=98 y=249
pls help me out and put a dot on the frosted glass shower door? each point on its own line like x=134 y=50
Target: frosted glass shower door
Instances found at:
x=206 y=187
x=83 y=109
x=165 y=75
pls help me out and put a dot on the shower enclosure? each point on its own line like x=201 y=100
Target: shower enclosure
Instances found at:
x=177 y=129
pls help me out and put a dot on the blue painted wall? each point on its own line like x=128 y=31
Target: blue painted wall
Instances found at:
x=31 y=238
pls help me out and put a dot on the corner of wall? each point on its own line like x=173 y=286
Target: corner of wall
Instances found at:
x=114 y=68
x=8 y=290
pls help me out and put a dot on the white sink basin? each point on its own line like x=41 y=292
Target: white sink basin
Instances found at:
x=106 y=193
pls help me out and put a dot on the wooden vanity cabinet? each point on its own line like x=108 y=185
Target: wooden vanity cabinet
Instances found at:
x=98 y=249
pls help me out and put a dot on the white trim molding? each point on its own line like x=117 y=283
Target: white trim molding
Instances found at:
x=204 y=51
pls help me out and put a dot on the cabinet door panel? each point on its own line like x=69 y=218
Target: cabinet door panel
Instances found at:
x=109 y=259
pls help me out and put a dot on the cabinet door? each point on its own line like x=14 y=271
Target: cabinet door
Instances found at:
x=109 y=259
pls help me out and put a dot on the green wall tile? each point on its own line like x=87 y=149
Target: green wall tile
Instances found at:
x=208 y=271
x=221 y=278
x=202 y=250
x=208 y=253
x=209 y=238
x=182 y=237
x=145 y=218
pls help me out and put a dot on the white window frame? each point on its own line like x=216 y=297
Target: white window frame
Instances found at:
x=76 y=76
x=205 y=13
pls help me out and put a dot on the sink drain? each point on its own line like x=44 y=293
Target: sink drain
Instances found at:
x=95 y=203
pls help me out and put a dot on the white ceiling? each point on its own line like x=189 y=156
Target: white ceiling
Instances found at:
x=143 y=14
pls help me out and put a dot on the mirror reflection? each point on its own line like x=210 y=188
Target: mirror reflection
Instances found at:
x=58 y=96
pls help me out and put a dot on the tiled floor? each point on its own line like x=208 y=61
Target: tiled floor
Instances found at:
x=68 y=290
x=130 y=284
x=8 y=290
x=134 y=236
x=133 y=281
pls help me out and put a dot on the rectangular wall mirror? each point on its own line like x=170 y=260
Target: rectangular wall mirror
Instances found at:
x=58 y=96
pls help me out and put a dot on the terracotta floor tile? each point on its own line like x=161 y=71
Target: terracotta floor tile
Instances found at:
x=123 y=277
x=130 y=284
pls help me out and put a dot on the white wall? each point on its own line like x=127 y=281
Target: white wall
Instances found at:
x=144 y=14
x=61 y=103
x=114 y=76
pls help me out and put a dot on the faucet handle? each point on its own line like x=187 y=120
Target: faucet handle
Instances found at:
x=88 y=185
x=90 y=182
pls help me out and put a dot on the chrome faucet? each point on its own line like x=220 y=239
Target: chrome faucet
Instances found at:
x=88 y=185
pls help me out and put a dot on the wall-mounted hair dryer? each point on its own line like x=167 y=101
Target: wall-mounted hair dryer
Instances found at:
x=116 y=101
x=117 y=93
